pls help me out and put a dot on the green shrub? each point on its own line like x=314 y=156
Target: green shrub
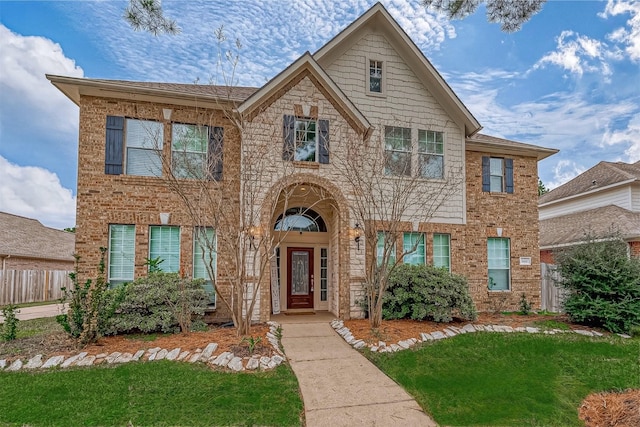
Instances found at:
x=159 y=302
x=603 y=284
x=423 y=292
x=9 y=329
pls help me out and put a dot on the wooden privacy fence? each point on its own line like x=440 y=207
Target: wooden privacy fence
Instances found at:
x=552 y=295
x=23 y=286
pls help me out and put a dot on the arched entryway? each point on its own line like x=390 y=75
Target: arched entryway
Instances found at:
x=306 y=227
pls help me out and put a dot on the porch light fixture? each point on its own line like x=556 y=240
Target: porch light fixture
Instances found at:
x=357 y=232
x=253 y=232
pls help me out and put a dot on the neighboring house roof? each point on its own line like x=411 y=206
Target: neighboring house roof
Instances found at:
x=378 y=19
x=603 y=175
x=306 y=63
x=28 y=238
x=491 y=144
x=573 y=228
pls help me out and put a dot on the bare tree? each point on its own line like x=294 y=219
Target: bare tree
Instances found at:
x=510 y=14
x=392 y=193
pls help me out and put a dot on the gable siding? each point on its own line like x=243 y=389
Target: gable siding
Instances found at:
x=618 y=196
x=635 y=197
x=406 y=103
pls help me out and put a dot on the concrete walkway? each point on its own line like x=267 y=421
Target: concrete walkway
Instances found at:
x=340 y=387
x=28 y=313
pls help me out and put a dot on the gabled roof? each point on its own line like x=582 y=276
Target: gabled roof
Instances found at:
x=26 y=237
x=378 y=18
x=174 y=93
x=491 y=144
x=603 y=175
x=602 y=221
x=306 y=63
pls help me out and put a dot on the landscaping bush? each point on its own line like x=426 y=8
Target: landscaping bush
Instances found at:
x=603 y=284
x=424 y=292
x=162 y=302
x=9 y=329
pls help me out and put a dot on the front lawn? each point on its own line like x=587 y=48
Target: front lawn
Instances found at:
x=499 y=379
x=160 y=394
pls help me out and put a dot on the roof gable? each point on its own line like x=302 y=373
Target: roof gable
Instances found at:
x=378 y=18
x=602 y=175
x=307 y=64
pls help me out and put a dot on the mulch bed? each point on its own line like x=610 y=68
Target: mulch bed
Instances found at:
x=611 y=409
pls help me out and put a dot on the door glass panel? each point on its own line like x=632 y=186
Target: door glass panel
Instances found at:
x=299 y=273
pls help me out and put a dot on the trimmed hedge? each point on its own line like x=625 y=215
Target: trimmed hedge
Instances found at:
x=424 y=292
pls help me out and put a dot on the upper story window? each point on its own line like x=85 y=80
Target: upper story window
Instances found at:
x=143 y=141
x=431 y=154
x=397 y=151
x=305 y=139
x=375 y=76
x=189 y=150
x=497 y=175
x=134 y=147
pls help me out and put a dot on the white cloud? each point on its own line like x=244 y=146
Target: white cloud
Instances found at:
x=564 y=171
x=630 y=136
x=25 y=91
x=578 y=54
x=36 y=192
x=628 y=37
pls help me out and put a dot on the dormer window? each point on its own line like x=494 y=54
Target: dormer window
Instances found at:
x=375 y=76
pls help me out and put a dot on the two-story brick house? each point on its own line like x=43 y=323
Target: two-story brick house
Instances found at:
x=369 y=85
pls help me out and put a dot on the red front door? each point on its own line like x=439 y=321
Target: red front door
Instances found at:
x=300 y=278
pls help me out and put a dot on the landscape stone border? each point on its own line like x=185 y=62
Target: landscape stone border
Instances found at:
x=207 y=355
x=448 y=332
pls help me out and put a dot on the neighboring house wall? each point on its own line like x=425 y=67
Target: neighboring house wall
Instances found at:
x=126 y=199
x=620 y=196
x=25 y=263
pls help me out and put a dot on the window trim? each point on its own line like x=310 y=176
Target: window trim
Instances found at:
x=508 y=259
x=411 y=255
x=367 y=81
x=448 y=236
x=163 y=265
x=121 y=280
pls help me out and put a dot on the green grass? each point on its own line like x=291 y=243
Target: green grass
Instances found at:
x=551 y=324
x=159 y=394
x=485 y=379
x=37 y=327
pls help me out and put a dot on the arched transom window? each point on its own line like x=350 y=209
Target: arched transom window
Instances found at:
x=300 y=219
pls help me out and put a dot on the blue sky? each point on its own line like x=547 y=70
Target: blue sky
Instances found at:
x=570 y=79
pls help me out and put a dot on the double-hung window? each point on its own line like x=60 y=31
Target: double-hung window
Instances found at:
x=385 y=243
x=189 y=151
x=375 y=76
x=305 y=139
x=143 y=139
x=164 y=246
x=205 y=259
x=442 y=251
x=397 y=151
x=499 y=266
x=497 y=175
x=121 y=253
x=430 y=154
x=413 y=246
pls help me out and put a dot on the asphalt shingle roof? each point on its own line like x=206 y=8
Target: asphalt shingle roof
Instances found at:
x=601 y=175
x=26 y=237
x=598 y=222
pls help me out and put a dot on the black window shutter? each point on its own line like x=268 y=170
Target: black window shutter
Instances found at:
x=215 y=154
x=323 y=126
x=114 y=141
x=288 y=133
x=486 y=174
x=508 y=175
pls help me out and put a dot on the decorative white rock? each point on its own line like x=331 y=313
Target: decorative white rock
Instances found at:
x=183 y=355
x=437 y=335
x=253 y=363
x=53 y=361
x=15 y=366
x=235 y=364
x=34 y=362
x=3 y=363
x=112 y=357
x=173 y=354
x=138 y=355
x=86 y=361
x=208 y=351
x=124 y=358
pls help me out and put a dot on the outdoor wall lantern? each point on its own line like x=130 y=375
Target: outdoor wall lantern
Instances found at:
x=357 y=232
x=254 y=233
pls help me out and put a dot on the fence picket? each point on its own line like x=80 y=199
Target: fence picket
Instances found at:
x=24 y=286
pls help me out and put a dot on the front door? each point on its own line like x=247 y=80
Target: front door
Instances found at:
x=300 y=278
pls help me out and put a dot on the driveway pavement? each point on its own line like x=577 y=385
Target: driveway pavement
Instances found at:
x=340 y=387
x=27 y=313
